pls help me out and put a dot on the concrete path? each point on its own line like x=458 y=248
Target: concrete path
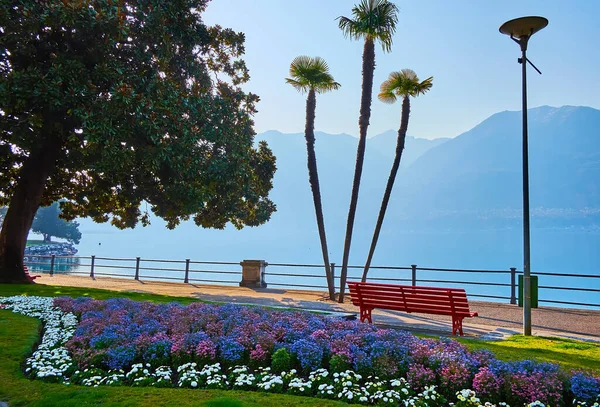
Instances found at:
x=495 y=321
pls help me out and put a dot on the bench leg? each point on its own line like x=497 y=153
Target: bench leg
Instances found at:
x=365 y=313
x=457 y=325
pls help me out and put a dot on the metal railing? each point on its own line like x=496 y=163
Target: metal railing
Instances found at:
x=497 y=285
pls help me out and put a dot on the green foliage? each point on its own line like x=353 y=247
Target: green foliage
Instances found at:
x=141 y=103
x=281 y=361
x=338 y=364
x=403 y=83
x=373 y=20
x=47 y=221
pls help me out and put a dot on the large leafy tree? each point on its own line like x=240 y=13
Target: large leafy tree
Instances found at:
x=372 y=21
x=47 y=221
x=404 y=84
x=113 y=103
x=311 y=75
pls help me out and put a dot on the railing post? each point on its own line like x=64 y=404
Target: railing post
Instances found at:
x=137 y=268
x=414 y=274
x=52 y=265
x=92 y=268
x=187 y=271
x=513 y=283
x=332 y=266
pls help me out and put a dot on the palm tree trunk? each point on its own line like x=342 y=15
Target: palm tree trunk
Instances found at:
x=390 y=183
x=368 y=67
x=313 y=178
x=24 y=203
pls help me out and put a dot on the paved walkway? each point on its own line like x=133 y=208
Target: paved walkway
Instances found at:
x=495 y=321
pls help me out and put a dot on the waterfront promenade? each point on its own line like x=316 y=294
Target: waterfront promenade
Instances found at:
x=495 y=321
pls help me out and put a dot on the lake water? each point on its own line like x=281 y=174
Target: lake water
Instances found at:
x=552 y=250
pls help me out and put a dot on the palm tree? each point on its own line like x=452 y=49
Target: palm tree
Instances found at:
x=312 y=75
x=373 y=20
x=399 y=84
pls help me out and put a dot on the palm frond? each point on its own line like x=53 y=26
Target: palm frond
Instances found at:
x=372 y=19
x=423 y=87
x=311 y=73
x=387 y=97
x=403 y=83
x=349 y=28
x=299 y=86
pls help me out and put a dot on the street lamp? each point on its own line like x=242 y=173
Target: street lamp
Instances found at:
x=520 y=30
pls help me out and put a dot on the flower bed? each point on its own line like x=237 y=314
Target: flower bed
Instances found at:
x=121 y=342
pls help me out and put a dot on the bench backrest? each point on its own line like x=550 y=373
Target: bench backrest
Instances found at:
x=432 y=300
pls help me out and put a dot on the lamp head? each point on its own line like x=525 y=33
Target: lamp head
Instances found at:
x=523 y=27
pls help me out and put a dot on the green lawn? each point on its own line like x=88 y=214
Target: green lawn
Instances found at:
x=18 y=335
x=570 y=354
x=38 y=243
x=7 y=290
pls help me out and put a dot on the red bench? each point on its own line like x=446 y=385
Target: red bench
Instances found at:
x=426 y=300
x=29 y=276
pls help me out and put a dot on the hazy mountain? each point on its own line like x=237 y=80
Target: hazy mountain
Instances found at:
x=481 y=170
x=385 y=144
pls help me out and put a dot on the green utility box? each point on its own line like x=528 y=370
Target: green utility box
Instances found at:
x=534 y=291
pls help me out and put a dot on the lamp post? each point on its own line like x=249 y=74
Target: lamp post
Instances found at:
x=520 y=30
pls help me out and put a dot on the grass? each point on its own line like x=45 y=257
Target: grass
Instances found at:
x=568 y=353
x=39 y=243
x=7 y=290
x=19 y=334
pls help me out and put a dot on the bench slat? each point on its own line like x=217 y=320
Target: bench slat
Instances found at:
x=410 y=300
x=422 y=308
x=417 y=290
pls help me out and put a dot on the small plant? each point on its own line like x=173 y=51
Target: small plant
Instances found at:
x=88 y=377
x=339 y=363
x=213 y=378
x=163 y=377
x=242 y=379
x=268 y=381
x=188 y=375
x=281 y=361
x=140 y=375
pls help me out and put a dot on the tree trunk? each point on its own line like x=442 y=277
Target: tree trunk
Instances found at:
x=368 y=67
x=47 y=238
x=313 y=177
x=390 y=183
x=24 y=203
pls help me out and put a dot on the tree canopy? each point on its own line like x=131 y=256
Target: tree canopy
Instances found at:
x=130 y=102
x=308 y=73
x=47 y=221
x=403 y=83
x=373 y=20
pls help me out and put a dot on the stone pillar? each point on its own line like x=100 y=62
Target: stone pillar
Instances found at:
x=253 y=272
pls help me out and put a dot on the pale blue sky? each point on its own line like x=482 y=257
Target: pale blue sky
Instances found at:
x=475 y=68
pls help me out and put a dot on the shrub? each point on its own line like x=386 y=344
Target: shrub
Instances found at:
x=339 y=363
x=281 y=361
